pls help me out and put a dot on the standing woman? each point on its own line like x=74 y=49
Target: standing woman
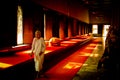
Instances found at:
x=38 y=49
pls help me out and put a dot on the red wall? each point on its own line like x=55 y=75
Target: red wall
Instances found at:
x=67 y=7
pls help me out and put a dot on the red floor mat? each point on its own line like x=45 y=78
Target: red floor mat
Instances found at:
x=67 y=68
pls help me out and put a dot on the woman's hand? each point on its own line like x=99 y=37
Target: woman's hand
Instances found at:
x=31 y=54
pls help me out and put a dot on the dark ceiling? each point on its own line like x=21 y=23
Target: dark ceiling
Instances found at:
x=96 y=6
x=98 y=9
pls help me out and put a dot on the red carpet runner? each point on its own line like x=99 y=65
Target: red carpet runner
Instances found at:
x=68 y=67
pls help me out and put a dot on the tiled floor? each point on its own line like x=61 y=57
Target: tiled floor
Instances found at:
x=89 y=69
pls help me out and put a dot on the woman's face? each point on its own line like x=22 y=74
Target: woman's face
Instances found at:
x=38 y=35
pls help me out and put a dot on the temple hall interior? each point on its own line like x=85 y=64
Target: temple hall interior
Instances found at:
x=81 y=38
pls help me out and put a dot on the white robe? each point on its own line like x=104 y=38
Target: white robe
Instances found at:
x=38 y=46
